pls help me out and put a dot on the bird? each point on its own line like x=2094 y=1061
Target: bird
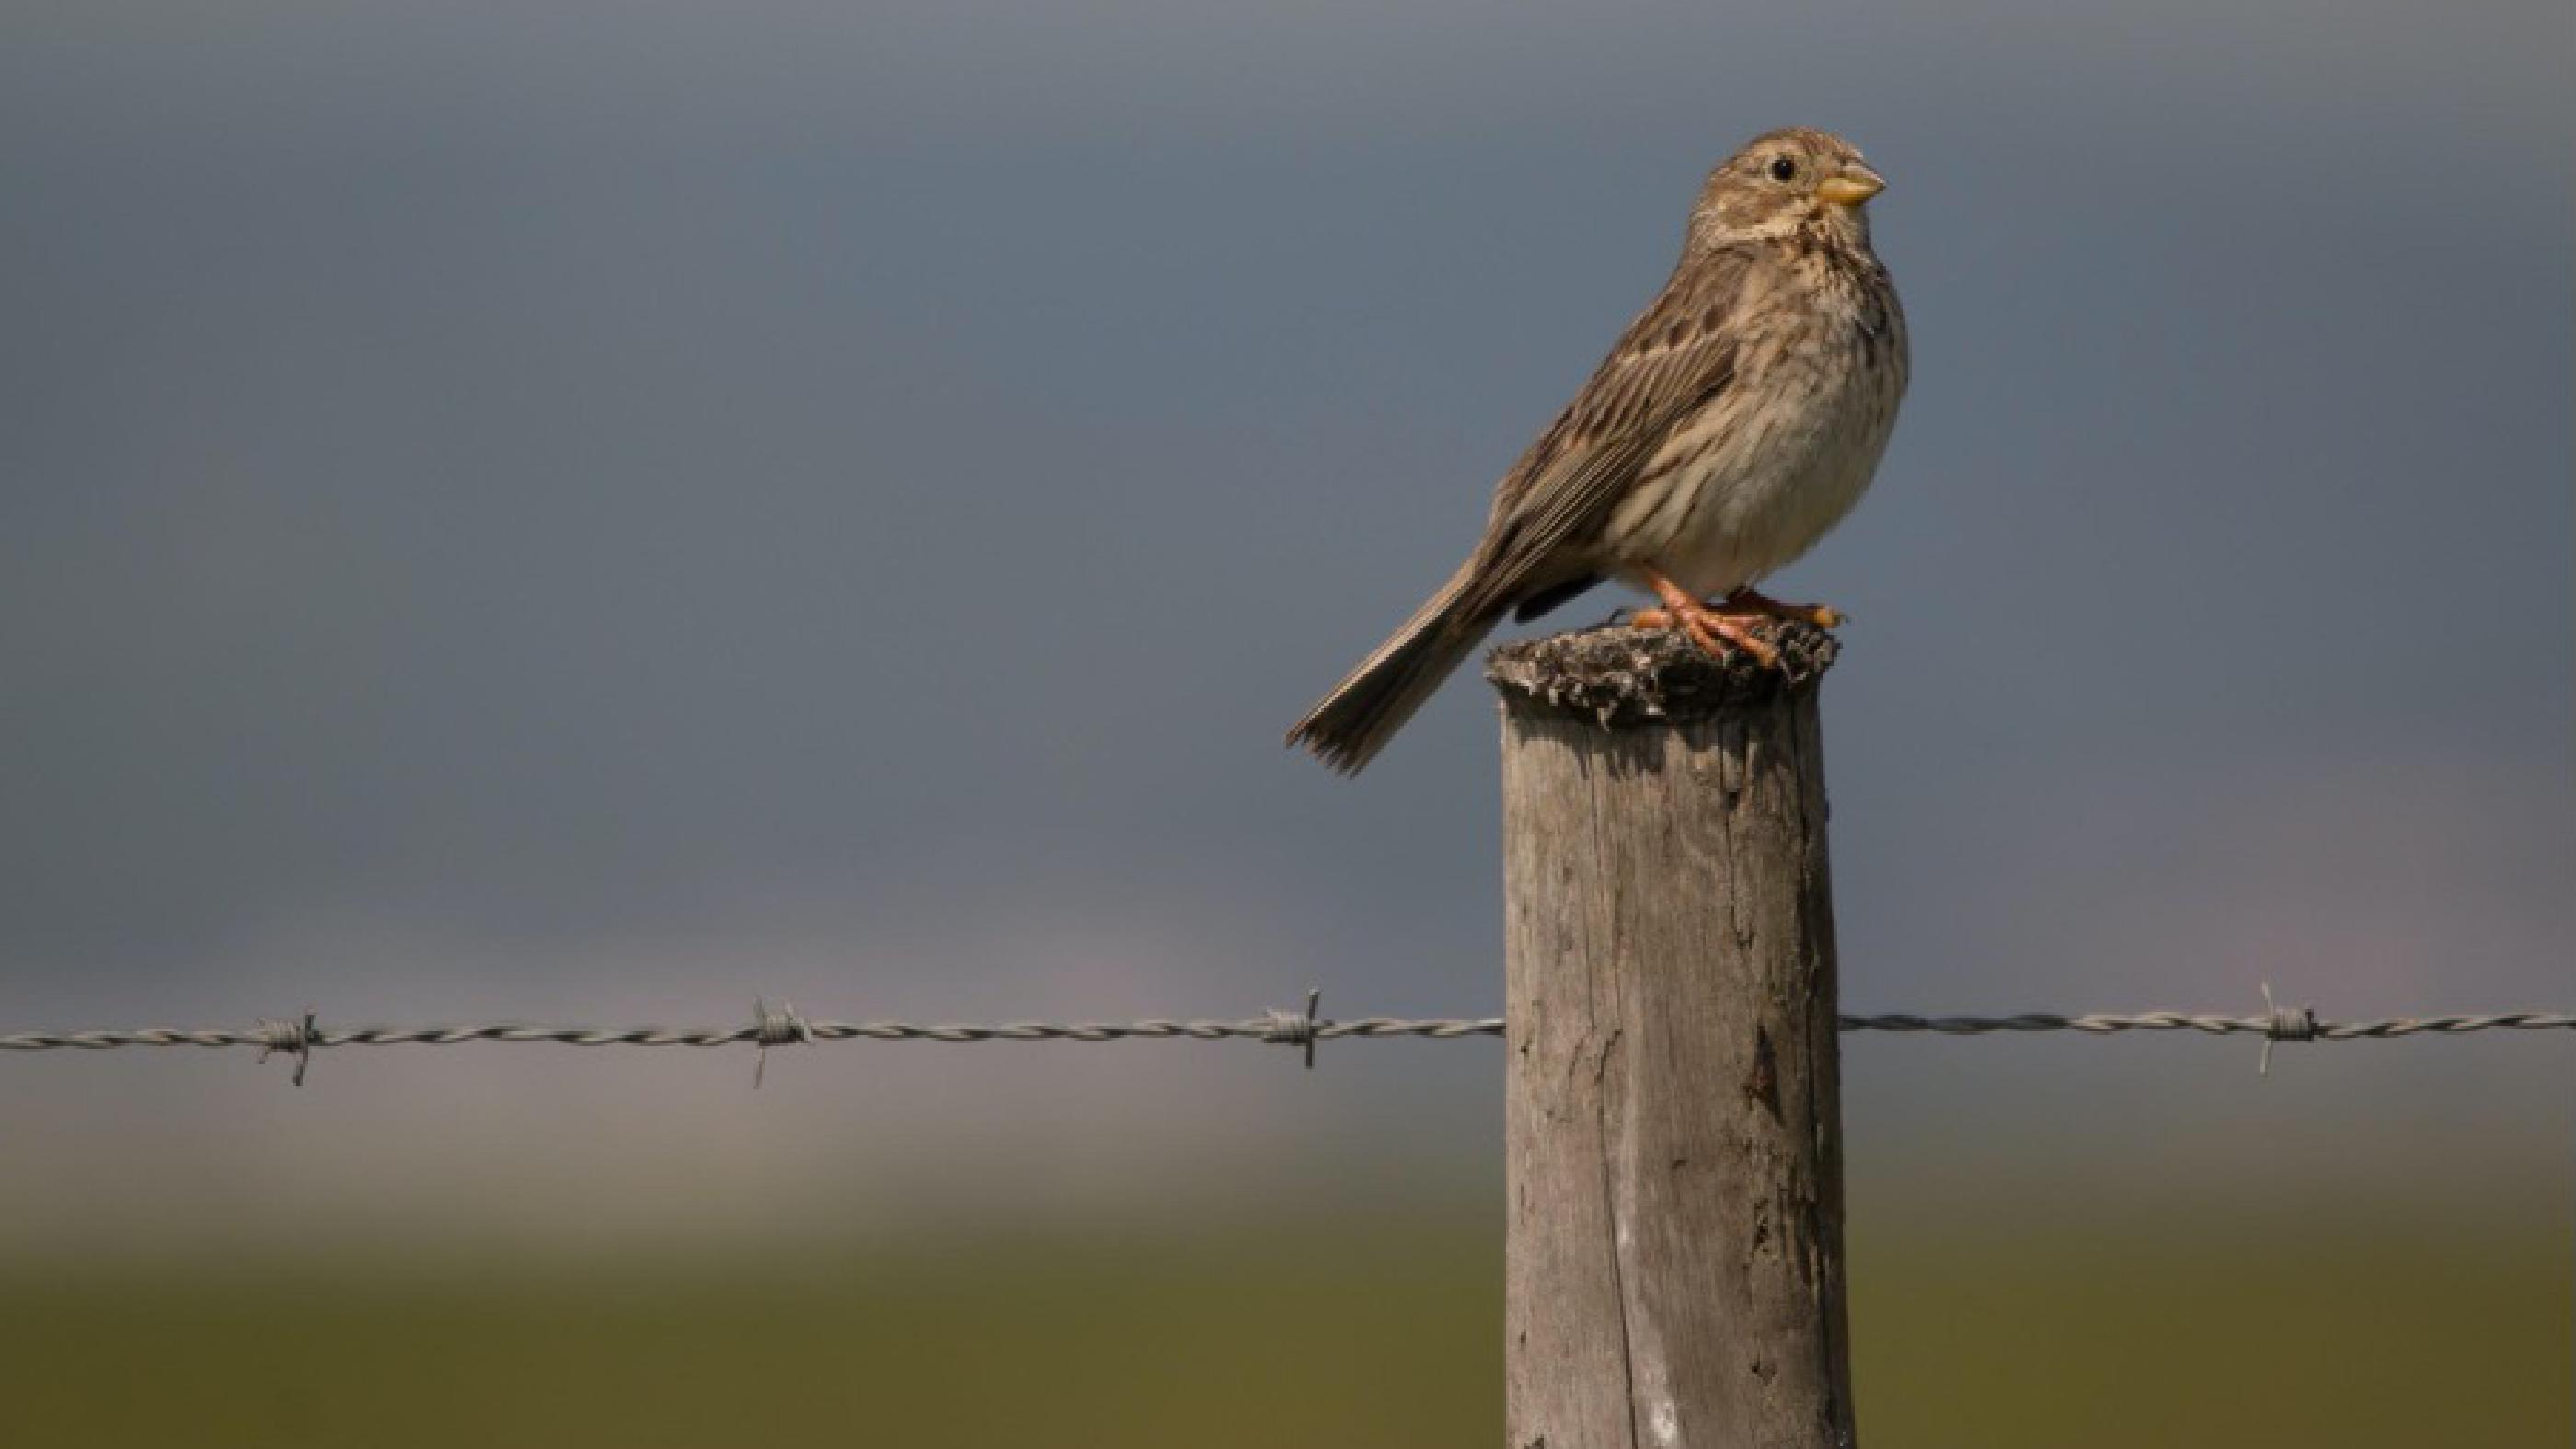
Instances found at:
x=1736 y=421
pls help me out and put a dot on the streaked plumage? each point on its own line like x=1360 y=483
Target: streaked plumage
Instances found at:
x=1737 y=420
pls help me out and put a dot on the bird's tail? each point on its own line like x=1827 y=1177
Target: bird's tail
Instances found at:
x=1363 y=712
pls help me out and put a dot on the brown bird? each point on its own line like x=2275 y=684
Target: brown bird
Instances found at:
x=1737 y=420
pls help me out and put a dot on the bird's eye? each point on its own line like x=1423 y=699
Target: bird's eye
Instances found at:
x=1783 y=169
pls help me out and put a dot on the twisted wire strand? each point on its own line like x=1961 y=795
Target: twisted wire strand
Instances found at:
x=780 y=1029
x=2296 y=1026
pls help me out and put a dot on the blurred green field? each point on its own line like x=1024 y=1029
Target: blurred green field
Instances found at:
x=1322 y=1332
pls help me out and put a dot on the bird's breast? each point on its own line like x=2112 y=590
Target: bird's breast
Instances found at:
x=1752 y=480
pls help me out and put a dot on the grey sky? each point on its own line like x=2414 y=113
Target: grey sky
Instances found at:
x=604 y=512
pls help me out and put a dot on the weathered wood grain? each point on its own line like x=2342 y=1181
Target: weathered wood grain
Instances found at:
x=1675 y=1260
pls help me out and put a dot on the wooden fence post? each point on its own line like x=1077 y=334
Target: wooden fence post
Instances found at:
x=1673 y=1118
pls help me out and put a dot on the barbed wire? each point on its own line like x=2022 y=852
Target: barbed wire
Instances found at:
x=300 y=1036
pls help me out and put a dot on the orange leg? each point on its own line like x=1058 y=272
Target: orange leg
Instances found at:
x=1753 y=601
x=1706 y=626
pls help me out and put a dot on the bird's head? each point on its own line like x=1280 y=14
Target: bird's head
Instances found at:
x=1785 y=182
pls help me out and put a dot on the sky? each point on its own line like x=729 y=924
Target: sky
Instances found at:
x=604 y=513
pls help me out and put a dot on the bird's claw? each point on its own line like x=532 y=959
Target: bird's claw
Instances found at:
x=1713 y=630
x=1754 y=601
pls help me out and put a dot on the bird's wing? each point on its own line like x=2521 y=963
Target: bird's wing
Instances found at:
x=1677 y=356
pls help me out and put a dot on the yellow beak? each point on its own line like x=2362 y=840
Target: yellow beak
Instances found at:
x=1852 y=185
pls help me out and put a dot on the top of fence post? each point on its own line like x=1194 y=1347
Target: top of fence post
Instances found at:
x=1617 y=676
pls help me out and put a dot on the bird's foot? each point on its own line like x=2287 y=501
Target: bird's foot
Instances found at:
x=1707 y=627
x=1753 y=601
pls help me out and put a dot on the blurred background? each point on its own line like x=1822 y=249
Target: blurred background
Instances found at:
x=603 y=510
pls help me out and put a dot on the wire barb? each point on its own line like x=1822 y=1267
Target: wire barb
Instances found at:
x=297 y=1037
x=782 y=1027
x=1296 y=1030
x=2282 y=1023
